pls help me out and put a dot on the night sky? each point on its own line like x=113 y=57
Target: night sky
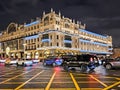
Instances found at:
x=100 y=16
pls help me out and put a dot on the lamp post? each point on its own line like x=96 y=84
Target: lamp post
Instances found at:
x=24 y=50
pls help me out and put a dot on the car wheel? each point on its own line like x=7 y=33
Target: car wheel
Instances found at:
x=83 y=68
x=44 y=64
x=65 y=67
x=22 y=64
x=31 y=65
x=25 y=65
x=108 y=66
x=17 y=64
x=54 y=64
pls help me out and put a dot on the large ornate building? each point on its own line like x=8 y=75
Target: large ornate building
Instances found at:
x=52 y=34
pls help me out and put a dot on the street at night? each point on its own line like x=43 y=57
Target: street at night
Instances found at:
x=60 y=45
x=39 y=77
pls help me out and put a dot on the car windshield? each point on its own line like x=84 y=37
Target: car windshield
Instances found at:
x=51 y=57
x=69 y=57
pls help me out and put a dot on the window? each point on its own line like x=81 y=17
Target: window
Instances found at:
x=45 y=36
x=38 y=39
x=45 y=44
x=38 y=45
x=31 y=28
x=67 y=26
x=51 y=37
x=57 y=22
x=35 y=40
x=12 y=28
x=57 y=44
x=67 y=37
x=68 y=45
x=57 y=36
x=46 y=18
x=37 y=26
x=46 y=21
x=50 y=44
x=28 y=41
x=31 y=40
x=34 y=27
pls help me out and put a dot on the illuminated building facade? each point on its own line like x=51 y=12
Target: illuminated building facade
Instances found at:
x=52 y=34
x=116 y=52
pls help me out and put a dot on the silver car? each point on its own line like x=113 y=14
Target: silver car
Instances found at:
x=113 y=63
x=24 y=62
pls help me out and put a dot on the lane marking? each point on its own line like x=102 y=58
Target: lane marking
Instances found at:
x=27 y=83
x=111 y=85
x=10 y=73
x=50 y=82
x=6 y=89
x=70 y=82
x=75 y=82
x=91 y=88
x=33 y=89
x=62 y=88
x=14 y=77
x=98 y=81
x=17 y=88
x=118 y=78
x=80 y=74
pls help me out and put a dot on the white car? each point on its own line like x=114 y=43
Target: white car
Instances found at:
x=2 y=60
x=26 y=62
x=36 y=60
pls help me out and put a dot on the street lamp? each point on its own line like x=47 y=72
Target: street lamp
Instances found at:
x=24 y=49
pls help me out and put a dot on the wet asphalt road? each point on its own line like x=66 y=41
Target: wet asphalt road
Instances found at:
x=38 y=77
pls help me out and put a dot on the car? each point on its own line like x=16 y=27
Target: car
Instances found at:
x=84 y=62
x=104 y=61
x=112 y=63
x=2 y=60
x=24 y=62
x=35 y=60
x=10 y=61
x=52 y=60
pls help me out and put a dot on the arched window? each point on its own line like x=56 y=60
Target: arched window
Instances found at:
x=46 y=21
x=66 y=25
x=11 y=28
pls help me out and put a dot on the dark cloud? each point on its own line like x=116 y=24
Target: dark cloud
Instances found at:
x=101 y=16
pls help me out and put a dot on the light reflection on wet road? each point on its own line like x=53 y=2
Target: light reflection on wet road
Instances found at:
x=39 y=77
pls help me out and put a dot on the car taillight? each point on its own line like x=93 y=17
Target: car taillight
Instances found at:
x=56 y=59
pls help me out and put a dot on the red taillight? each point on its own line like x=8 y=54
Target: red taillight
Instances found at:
x=56 y=59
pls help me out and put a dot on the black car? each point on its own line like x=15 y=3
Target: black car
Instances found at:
x=104 y=61
x=85 y=62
